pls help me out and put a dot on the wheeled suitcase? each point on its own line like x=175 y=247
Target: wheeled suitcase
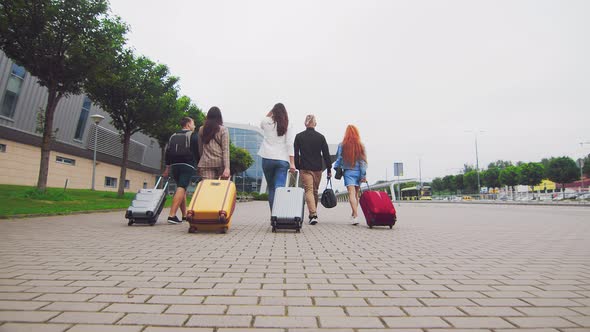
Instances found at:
x=287 y=207
x=377 y=208
x=147 y=205
x=212 y=206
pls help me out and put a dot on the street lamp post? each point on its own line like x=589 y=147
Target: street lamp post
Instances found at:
x=476 y=159
x=97 y=118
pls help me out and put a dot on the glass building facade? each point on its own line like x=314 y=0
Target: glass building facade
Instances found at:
x=249 y=138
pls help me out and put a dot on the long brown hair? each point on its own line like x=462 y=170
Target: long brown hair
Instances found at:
x=281 y=119
x=212 y=123
x=352 y=148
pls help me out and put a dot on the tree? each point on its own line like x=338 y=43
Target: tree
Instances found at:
x=470 y=181
x=491 y=177
x=468 y=168
x=563 y=170
x=61 y=43
x=163 y=128
x=437 y=185
x=239 y=159
x=136 y=92
x=449 y=183
x=500 y=164
x=509 y=177
x=531 y=174
x=459 y=182
x=586 y=167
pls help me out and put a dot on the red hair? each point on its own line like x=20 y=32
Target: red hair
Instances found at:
x=352 y=148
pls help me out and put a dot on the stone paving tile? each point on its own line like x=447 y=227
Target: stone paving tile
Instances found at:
x=87 y=317
x=479 y=322
x=21 y=305
x=27 y=316
x=104 y=328
x=285 y=322
x=177 y=329
x=154 y=319
x=75 y=306
x=25 y=327
x=535 y=322
x=219 y=321
x=415 y=322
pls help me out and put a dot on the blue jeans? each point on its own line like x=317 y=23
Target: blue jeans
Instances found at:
x=275 y=172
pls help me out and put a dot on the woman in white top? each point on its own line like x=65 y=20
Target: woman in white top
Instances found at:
x=276 y=149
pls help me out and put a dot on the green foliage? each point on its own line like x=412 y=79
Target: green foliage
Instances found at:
x=26 y=200
x=563 y=170
x=259 y=197
x=500 y=164
x=438 y=185
x=586 y=167
x=470 y=181
x=137 y=93
x=449 y=183
x=240 y=159
x=36 y=194
x=531 y=174
x=459 y=182
x=62 y=44
x=509 y=176
x=491 y=177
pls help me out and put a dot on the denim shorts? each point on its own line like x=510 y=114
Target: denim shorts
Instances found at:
x=352 y=177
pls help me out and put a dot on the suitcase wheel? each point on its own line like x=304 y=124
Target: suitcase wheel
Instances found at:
x=223 y=230
x=192 y=230
x=298 y=230
x=274 y=229
x=370 y=226
x=390 y=226
x=130 y=223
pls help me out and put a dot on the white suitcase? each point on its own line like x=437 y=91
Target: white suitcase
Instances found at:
x=288 y=205
x=147 y=205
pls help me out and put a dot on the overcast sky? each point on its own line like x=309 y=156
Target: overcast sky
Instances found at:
x=414 y=76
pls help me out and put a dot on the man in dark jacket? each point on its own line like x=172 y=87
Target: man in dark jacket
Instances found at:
x=311 y=150
x=182 y=155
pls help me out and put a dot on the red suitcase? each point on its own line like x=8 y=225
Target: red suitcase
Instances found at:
x=377 y=208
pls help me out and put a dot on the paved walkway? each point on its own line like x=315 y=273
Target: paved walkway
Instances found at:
x=443 y=267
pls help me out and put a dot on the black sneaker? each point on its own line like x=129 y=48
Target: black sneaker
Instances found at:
x=174 y=220
x=313 y=220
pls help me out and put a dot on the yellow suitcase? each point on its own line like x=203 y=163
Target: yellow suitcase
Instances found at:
x=212 y=206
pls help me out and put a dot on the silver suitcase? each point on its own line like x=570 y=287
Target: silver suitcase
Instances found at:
x=147 y=205
x=287 y=207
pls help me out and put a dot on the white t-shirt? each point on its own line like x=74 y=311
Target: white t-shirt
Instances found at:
x=274 y=146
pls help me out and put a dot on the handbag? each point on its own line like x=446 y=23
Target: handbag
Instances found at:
x=339 y=173
x=328 y=199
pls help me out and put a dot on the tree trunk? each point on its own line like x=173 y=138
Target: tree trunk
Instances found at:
x=563 y=190
x=52 y=100
x=126 y=140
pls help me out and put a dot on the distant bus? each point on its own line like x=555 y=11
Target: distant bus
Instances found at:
x=416 y=193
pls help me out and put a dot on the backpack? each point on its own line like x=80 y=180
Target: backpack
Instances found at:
x=179 y=145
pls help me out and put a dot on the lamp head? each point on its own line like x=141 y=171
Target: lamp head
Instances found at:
x=97 y=118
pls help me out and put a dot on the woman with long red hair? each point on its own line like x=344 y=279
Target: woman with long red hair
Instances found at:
x=352 y=158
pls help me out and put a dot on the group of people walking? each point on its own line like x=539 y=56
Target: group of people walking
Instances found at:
x=282 y=151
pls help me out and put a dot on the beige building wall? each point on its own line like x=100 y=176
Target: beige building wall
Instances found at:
x=19 y=165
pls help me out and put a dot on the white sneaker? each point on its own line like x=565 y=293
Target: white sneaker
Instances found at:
x=354 y=220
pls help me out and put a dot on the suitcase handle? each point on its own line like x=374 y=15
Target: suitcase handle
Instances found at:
x=296 y=179
x=368 y=187
x=165 y=184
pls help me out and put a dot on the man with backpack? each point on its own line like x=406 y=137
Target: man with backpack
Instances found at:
x=182 y=155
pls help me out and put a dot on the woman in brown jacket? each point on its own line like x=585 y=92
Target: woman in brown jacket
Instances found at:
x=214 y=147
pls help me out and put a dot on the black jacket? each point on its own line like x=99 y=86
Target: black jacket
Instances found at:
x=311 y=150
